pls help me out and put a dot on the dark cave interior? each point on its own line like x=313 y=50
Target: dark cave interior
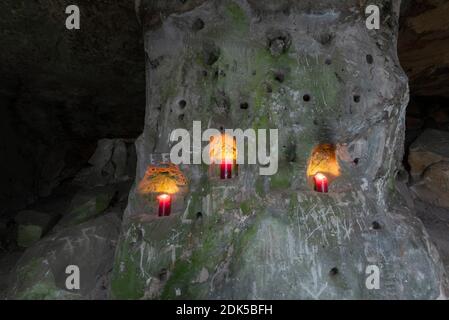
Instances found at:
x=61 y=93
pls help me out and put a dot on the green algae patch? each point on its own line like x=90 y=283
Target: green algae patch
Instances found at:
x=238 y=16
x=282 y=179
x=260 y=188
x=127 y=281
x=38 y=284
x=28 y=235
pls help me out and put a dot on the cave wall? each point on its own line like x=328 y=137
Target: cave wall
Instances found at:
x=273 y=236
x=63 y=90
x=424 y=46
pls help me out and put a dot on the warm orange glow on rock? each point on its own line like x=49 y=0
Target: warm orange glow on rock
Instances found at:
x=222 y=149
x=323 y=160
x=166 y=179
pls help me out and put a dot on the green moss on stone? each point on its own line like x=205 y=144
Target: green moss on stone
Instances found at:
x=46 y=291
x=246 y=207
x=282 y=179
x=127 y=281
x=238 y=16
x=28 y=235
x=260 y=189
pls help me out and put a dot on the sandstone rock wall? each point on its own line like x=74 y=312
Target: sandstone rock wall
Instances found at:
x=316 y=73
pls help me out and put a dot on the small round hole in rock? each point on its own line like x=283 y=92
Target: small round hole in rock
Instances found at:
x=356 y=161
x=356 y=99
x=163 y=275
x=211 y=53
x=369 y=59
x=306 y=98
x=328 y=61
x=182 y=104
x=333 y=271
x=279 y=77
x=181 y=117
x=376 y=225
x=244 y=106
x=199 y=215
x=198 y=24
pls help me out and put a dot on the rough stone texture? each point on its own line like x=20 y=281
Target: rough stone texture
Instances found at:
x=85 y=235
x=434 y=185
x=429 y=148
x=32 y=225
x=87 y=204
x=274 y=237
x=40 y=272
x=113 y=161
x=436 y=221
x=7 y=264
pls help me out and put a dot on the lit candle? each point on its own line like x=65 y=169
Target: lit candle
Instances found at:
x=226 y=169
x=321 y=183
x=164 y=205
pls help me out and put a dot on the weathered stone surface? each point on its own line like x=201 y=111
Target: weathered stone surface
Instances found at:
x=7 y=264
x=109 y=164
x=436 y=221
x=32 y=225
x=424 y=46
x=259 y=237
x=88 y=204
x=434 y=185
x=40 y=272
x=431 y=147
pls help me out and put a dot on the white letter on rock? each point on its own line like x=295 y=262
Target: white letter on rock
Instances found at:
x=373 y=21
x=373 y=279
x=180 y=152
x=73 y=280
x=73 y=20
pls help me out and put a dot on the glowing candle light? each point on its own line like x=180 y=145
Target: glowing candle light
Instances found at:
x=164 y=204
x=226 y=169
x=321 y=183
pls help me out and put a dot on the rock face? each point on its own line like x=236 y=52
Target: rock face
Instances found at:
x=41 y=271
x=113 y=161
x=87 y=216
x=88 y=204
x=431 y=147
x=32 y=225
x=429 y=165
x=316 y=73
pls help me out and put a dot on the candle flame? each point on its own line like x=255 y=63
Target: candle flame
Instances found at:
x=319 y=176
x=163 y=196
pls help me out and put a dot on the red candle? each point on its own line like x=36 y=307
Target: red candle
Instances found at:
x=164 y=205
x=321 y=183
x=226 y=169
